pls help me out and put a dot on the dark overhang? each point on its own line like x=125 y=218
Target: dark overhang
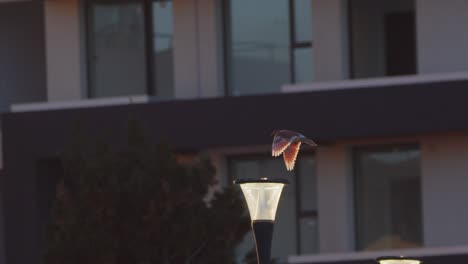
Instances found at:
x=238 y=121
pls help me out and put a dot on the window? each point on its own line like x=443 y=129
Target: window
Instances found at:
x=296 y=229
x=302 y=41
x=382 y=38
x=130 y=47
x=388 y=197
x=268 y=44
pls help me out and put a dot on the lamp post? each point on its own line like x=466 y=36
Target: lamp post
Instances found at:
x=262 y=197
x=398 y=260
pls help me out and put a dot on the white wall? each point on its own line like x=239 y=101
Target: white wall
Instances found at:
x=186 y=83
x=334 y=191
x=63 y=50
x=445 y=190
x=197 y=69
x=442 y=35
x=210 y=48
x=330 y=39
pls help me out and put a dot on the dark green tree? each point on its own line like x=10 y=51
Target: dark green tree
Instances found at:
x=139 y=205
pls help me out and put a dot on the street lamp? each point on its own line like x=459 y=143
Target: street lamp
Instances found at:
x=398 y=260
x=262 y=196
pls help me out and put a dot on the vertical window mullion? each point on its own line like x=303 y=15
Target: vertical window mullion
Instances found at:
x=149 y=48
x=89 y=49
x=226 y=12
x=292 y=44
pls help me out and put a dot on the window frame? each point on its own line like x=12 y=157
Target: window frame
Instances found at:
x=300 y=214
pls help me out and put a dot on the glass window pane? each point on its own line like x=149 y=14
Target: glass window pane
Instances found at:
x=308 y=184
x=285 y=223
x=303 y=20
x=117 y=49
x=309 y=235
x=303 y=60
x=388 y=198
x=382 y=38
x=258 y=46
x=163 y=48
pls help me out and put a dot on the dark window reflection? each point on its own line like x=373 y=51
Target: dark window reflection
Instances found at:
x=268 y=44
x=118 y=47
x=388 y=198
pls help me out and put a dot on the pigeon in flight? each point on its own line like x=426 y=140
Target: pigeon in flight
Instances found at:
x=288 y=142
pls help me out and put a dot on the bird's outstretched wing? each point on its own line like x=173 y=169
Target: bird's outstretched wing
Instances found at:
x=290 y=155
x=279 y=145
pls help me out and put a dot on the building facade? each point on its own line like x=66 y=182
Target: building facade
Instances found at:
x=380 y=85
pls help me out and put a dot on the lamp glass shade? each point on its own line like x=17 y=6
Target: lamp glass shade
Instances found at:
x=262 y=199
x=399 y=261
